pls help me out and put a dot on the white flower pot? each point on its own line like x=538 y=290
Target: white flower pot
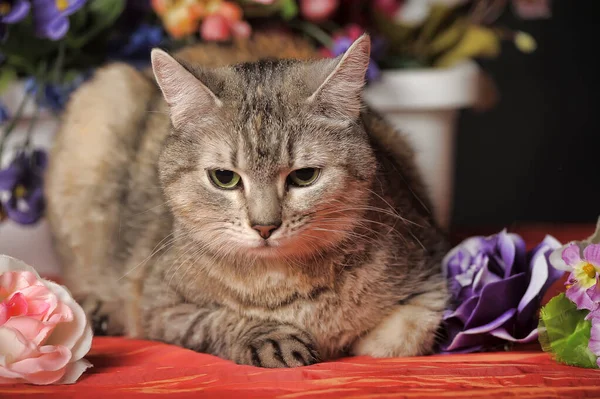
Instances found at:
x=31 y=244
x=423 y=105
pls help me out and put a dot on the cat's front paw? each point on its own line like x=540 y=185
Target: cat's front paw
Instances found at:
x=277 y=347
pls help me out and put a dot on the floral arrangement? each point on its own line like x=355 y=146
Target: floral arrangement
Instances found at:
x=54 y=46
x=570 y=322
x=44 y=334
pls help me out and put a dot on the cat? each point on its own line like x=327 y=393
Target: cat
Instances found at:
x=255 y=209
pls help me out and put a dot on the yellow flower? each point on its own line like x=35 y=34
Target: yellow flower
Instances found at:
x=525 y=42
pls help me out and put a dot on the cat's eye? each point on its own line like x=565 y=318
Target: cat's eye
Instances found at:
x=304 y=177
x=225 y=179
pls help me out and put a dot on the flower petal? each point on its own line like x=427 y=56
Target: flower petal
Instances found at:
x=50 y=358
x=557 y=261
x=74 y=371
x=578 y=295
x=464 y=310
x=75 y=335
x=539 y=277
x=13 y=344
x=594 y=342
x=495 y=298
x=503 y=334
x=19 y=11
x=465 y=338
x=591 y=253
x=33 y=330
x=572 y=254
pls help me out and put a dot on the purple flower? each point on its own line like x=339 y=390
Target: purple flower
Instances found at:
x=135 y=48
x=582 y=285
x=21 y=187
x=4 y=114
x=11 y=12
x=50 y=16
x=56 y=96
x=496 y=287
x=343 y=43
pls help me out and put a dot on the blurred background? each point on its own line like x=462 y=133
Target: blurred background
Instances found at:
x=532 y=158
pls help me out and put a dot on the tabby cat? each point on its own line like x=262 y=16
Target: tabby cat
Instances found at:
x=257 y=211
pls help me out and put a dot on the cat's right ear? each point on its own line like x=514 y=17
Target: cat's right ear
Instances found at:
x=188 y=97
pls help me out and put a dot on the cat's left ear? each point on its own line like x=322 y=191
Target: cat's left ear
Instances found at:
x=187 y=96
x=340 y=94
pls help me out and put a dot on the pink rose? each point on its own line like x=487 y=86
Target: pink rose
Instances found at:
x=318 y=10
x=44 y=333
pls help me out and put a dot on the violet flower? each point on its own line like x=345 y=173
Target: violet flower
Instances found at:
x=4 y=114
x=50 y=16
x=11 y=12
x=21 y=187
x=582 y=287
x=582 y=260
x=496 y=289
x=341 y=44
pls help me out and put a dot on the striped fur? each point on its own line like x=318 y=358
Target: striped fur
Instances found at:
x=152 y=250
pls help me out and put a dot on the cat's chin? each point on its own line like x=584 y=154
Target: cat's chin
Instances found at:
x=276 y=250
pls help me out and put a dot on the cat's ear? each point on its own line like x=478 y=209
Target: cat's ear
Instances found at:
x=340 y=94
x=188 y=97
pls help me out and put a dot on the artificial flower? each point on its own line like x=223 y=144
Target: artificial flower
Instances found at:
x=13 y=11
x=594 y=341
x=134 y=48
x=532 y=9
x=223 y=22
x=215 y=28
x=179 y=18
x=582 y=285
x=4 y=114
x=318 y=10
x=50 y=16
x=56 y=96
x=496 y=288
x=44 y=333
x=582 y=260
x=342 y=42
x=21 y=187
x=556 y=258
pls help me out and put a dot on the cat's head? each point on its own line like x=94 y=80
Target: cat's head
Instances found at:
x=267 y=159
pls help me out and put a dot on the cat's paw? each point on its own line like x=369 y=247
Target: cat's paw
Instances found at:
x=103 y=315
x=282 y=346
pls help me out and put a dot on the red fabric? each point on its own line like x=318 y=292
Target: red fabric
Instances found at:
x=134 y=369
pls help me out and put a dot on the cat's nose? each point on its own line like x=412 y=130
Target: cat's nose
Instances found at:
x=265 y=231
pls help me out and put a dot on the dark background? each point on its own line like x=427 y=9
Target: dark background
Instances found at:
x=535 y=157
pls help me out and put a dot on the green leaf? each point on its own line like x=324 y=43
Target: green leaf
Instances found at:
x=289 y=9
x=7 y=75
x=565 y=334
x=101 y=14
